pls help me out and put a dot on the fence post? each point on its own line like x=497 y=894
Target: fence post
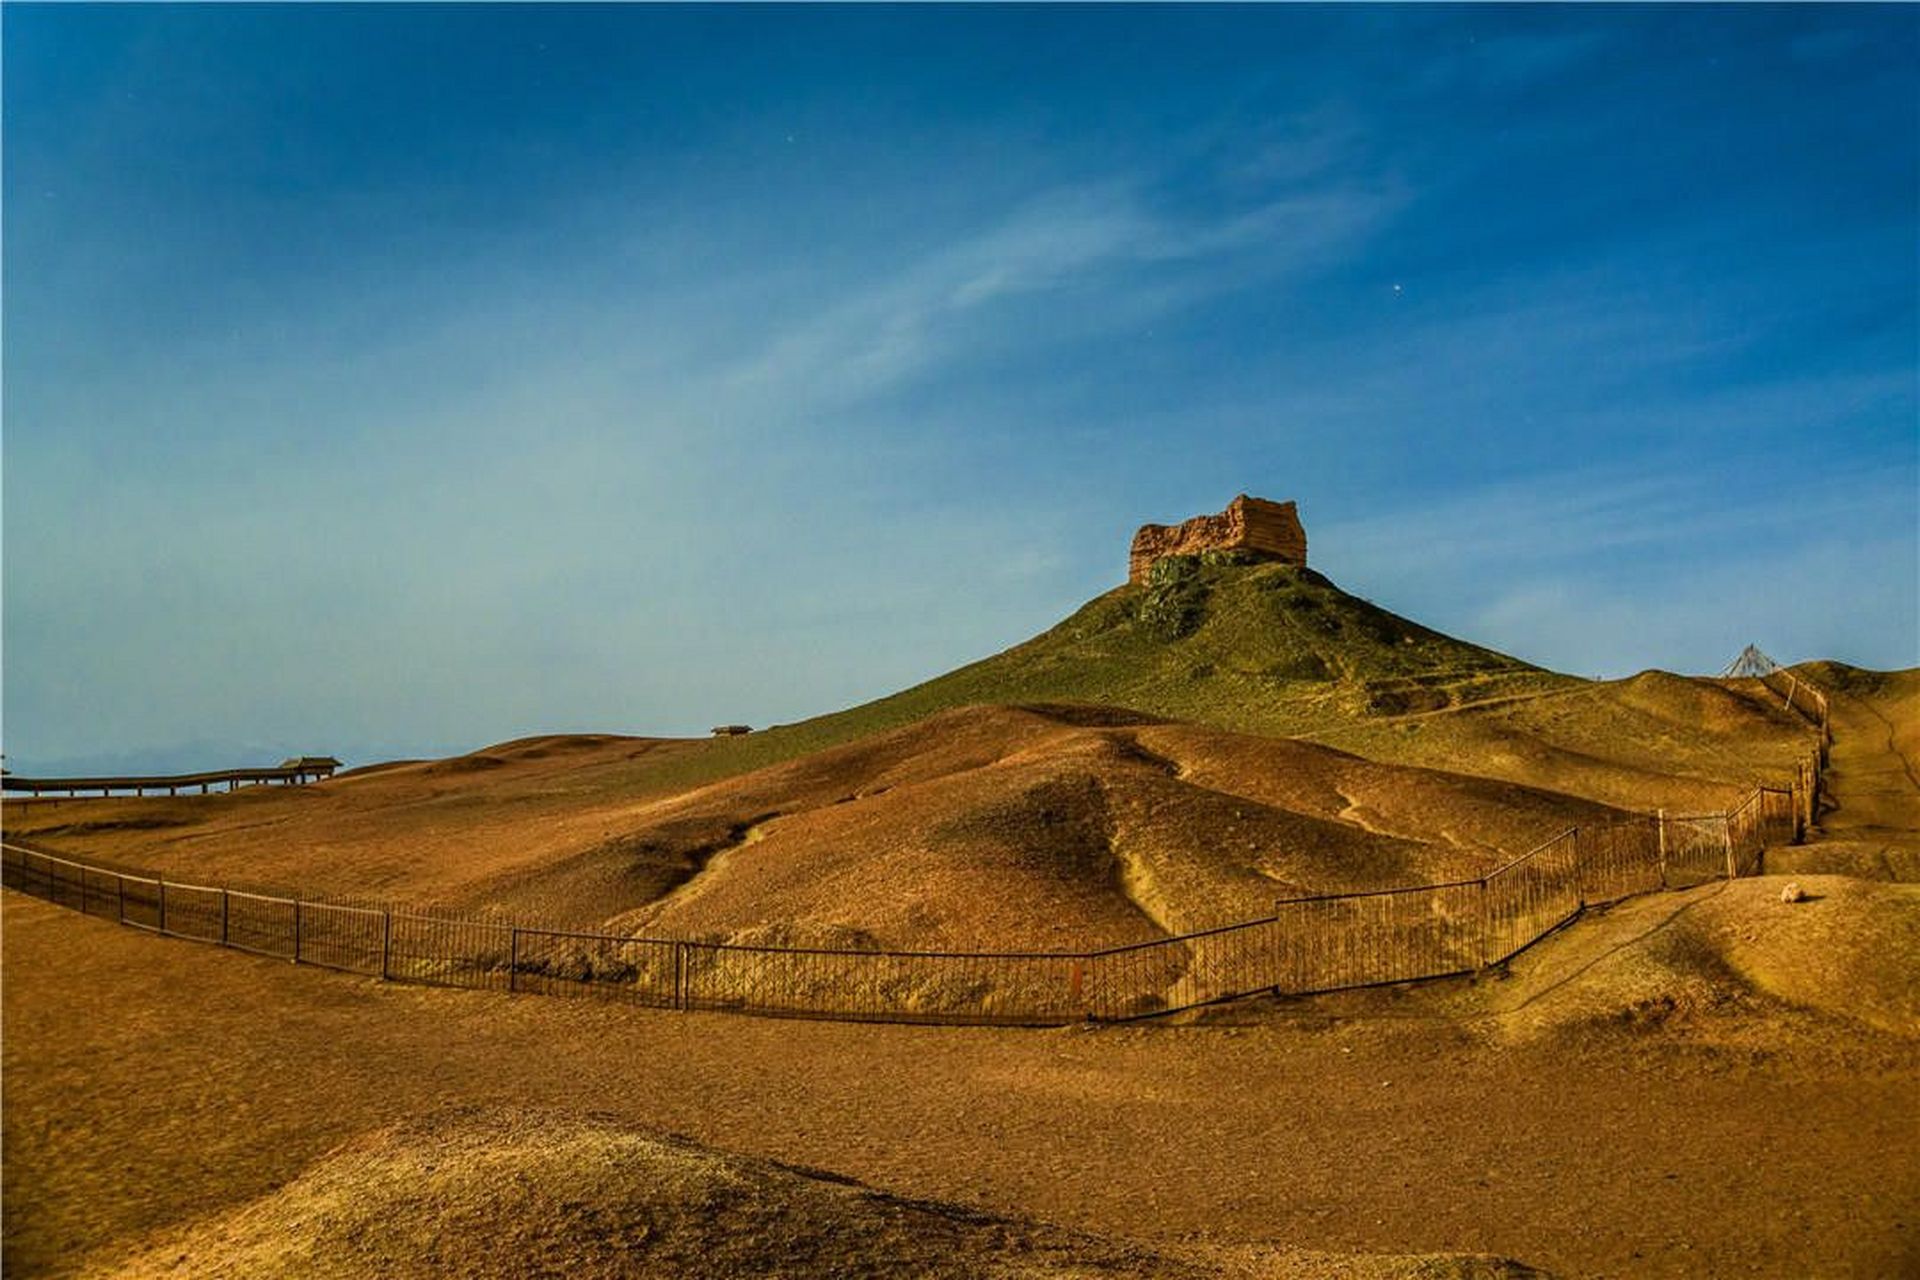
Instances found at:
x=386 y=942
x=296 y=931
x=1486 y=928
x=120 y=896
x=1726 y=830
x=679 y=975
x=1810 y=798
x=161 y=882
x=1661 y=818
x=513 y=960
x=1576 y=864
x=225 y=910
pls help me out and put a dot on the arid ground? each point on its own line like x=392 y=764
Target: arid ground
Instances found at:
x=1641 y=1109
x=1707 y=1082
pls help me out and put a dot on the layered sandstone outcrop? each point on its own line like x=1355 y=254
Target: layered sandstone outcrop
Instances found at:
x=1248 y=524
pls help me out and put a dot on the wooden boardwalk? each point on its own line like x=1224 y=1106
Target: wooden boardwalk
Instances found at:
x=170 y=784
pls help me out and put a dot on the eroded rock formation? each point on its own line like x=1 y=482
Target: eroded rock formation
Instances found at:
x=1248 y=524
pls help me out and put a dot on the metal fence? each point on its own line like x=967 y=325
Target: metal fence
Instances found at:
x=1309 y=944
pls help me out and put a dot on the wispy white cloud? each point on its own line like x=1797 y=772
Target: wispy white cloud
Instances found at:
x=1599 y=513
x=867 y=338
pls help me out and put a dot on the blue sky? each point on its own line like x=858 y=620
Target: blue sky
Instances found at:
x=391 y=380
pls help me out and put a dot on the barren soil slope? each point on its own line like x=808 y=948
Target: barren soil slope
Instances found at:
x=1871 y=820
x=1277 y=650
x=1651 y=741
x=1082 y=825
x=416 y=830
x=161 y=1093
x=1040 y=827
x=1728 y=963
x=477 y=1194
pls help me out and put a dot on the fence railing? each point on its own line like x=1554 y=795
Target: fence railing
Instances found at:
x=171 y=783
x=1799 y=696
x=1811 y=705
x=1309 y=944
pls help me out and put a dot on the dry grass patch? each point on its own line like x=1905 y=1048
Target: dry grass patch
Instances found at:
x=1731 y=958
x=480 y=1193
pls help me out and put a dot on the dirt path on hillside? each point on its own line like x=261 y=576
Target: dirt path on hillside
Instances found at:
x=149 y=1080
x=1869 y=822
x=1874 y=783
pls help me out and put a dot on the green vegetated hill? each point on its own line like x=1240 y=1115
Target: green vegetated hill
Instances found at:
x=1239 y=644
x=1232 y=641
x=1219 y=639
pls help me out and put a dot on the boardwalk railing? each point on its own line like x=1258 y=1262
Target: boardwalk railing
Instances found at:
x=1307 y=945
x=170 y=783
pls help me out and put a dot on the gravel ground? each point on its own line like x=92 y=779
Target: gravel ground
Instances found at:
x=150 y=1081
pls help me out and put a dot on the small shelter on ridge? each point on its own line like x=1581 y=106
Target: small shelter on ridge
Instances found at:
x=317 y=766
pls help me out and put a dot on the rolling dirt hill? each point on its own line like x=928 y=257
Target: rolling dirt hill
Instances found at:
x=1259 y=647
x=1079 y=826
x=1728 y=1043
x=1731 y=1045
x=478 y=1193
x=1871 y=822
x=1075 y=830
x=1727 y=965
x=1255 y=647
x=1651 y=741
x=1276 y=649
x=1111 y=780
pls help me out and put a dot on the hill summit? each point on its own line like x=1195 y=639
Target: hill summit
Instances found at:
x=1220 y=623
x=1232 y=636
x=1262 y=529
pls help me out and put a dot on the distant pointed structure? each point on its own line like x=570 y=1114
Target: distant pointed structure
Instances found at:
x=1751 y=662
